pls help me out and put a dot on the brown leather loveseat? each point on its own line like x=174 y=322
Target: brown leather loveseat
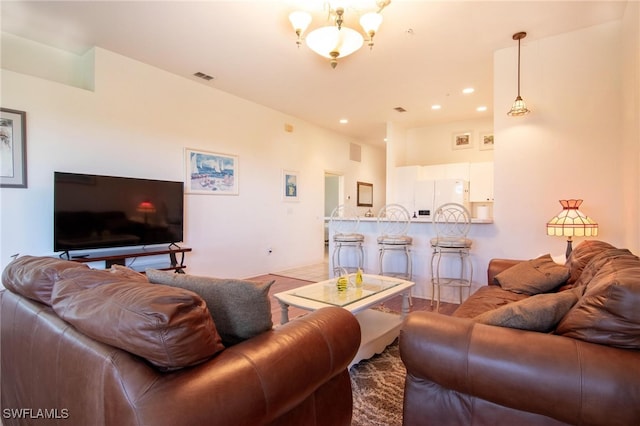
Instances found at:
x=568 y=355
x=64 y=327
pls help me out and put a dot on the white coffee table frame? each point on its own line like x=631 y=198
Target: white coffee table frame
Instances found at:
x=378 y=329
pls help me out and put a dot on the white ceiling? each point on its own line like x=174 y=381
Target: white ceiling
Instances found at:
x=426 y=52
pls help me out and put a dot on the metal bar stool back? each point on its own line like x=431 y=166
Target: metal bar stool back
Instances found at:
x=393 y=223
x=451 y=222
x=345 y=223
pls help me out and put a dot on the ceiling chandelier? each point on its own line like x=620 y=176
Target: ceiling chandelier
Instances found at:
x=336 y=40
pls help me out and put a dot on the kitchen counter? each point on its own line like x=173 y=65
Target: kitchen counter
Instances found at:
x=421 y=230
x=419 y=219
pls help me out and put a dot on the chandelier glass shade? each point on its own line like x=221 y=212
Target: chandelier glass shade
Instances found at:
x=337 y=40
x=326 y=41
x=300 y=21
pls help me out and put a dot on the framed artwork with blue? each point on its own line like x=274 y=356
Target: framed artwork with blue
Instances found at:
x=290 y=185
x=211 y=173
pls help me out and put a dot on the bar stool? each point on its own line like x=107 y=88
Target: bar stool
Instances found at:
x=451 y=222
x=393 y=222
x=345 y=222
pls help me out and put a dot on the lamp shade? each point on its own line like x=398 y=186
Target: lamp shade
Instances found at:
x=518 y=108
x=146 y=207
x=571 y=222
x=326 y=40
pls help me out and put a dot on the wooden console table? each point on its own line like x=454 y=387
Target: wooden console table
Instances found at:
x=119 y=257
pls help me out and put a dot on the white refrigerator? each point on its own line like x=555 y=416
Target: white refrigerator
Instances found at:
x=430 y=194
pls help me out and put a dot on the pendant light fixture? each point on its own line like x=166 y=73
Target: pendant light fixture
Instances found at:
x=519 y=107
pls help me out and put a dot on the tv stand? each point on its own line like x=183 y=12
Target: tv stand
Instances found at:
x=119 y=257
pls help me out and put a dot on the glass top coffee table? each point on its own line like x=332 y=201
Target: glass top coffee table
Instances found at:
x=378 y=329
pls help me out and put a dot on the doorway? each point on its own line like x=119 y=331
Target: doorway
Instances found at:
x=333 y=193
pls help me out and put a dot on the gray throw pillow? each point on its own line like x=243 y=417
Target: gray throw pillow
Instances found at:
x=541 y=312
x=240 y=309
x=533 y=276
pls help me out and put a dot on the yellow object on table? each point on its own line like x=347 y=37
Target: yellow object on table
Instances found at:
x=342 y=283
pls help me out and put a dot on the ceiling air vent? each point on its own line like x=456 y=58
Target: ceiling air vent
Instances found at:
x=203 y=76
x=400 y=109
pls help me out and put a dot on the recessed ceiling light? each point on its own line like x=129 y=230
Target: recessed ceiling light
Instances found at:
x=436 y=106
x=481 y=108
x=468 y=90
x=343 y=121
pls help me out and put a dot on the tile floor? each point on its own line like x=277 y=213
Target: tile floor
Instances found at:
x=315 y=273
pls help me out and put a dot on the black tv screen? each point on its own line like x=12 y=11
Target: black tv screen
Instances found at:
x=92 y=211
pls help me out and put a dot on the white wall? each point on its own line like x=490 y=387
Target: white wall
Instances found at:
x=569 y=146
x=630 y=203
x=137 y=123
x=433 y=144
x=574 y=144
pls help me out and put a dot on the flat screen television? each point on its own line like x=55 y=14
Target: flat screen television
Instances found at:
x=96 y=212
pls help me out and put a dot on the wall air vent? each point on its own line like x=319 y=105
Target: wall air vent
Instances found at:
x=355 y=152
x=203 y=76
x=400 y=109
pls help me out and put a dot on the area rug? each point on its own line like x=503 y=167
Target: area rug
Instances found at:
x=378 y=389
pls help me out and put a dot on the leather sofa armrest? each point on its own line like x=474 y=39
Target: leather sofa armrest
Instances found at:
x=260 y=379
x=498 y=265
x=569 y=380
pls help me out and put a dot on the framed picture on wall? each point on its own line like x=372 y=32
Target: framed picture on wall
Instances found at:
x=211 y=173
x=13 y=148
x=462 y=140
x=486 y=140
x=364 y=192
x=290 y=182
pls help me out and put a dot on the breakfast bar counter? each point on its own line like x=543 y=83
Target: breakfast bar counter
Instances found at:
x=421 y=230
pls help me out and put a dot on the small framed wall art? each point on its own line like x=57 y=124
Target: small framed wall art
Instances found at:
x=290 y=182
x=211 y=173
x=13 y=148
x=486 y=141
x=462 y=140
x=364 y=192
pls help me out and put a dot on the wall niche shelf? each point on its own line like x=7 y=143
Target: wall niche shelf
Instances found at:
x=119 y=257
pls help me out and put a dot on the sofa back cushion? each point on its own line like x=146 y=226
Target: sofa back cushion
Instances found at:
x=33 y=277
x=169 y=327
x=596 y=263
x=241 y=309
x=80 y=278
x=608 y=311
x=582 y=255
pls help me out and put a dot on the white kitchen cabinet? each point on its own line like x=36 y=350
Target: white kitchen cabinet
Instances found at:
x=445 y=171
x=481 y=182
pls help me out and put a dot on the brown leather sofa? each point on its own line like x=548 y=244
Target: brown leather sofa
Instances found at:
x=585 y=371
x=52 y=373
